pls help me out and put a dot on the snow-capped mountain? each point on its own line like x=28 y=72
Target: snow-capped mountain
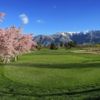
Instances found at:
x=57 y=38
x=86 y=37
x=65 y=37
x=43 y=40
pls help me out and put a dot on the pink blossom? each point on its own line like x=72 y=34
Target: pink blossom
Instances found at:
x=14 y=43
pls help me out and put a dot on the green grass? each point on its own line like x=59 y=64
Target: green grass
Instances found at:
x=51 y=75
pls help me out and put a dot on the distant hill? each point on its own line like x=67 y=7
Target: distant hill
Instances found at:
x=65 y=37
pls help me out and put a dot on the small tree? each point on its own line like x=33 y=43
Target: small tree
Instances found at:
x=70 y=44
x=61 y=44
x=39 y=46
x=53 y=46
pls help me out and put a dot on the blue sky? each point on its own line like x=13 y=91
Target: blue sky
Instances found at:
x=51 y=16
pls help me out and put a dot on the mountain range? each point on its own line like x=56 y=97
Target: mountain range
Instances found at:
x=65 y=37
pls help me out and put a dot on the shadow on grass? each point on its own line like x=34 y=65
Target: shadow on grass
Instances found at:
x=1 y=64
x=58 y=66
x=75 y=93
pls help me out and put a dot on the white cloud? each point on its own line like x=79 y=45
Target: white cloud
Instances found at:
x=24 y=18
x=40 y=21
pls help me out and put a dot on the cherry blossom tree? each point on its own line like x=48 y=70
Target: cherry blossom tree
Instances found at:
x=14 y=43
